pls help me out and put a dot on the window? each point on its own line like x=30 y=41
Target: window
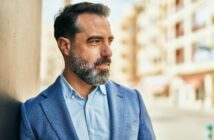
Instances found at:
x=124 y=42
x=179 y=56
x=124 y=70
x=179 y=4
x=199 y=18
x=213 y=19
x=202 y=53
x=124 y=55
x=179 y=29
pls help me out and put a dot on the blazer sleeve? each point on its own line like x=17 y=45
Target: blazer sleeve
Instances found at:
x=146 y=131
x=26 y=132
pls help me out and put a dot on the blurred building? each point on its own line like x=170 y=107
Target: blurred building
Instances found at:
x=127 y=51
x=52 y=63
x=151 y=54
x=174 y=50
x=189 y=46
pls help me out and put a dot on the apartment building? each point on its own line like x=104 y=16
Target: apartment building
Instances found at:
x=190 y=47
x=124 y=68
x=176 y=51
x=151 y=53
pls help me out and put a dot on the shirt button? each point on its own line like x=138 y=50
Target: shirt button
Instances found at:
x=72 y=97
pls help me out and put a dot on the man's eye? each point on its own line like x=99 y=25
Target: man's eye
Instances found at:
x=95 y=42
x=110 y=41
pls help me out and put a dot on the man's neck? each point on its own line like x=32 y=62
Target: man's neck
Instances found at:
x=78 y=84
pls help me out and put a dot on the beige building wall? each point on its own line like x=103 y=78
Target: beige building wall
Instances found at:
x=150 y=38
x=125 y=54
x=172 y=37
x=20 y=23
x=190 y=28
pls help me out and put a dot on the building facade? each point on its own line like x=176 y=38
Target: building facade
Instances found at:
x=175 y=51
x=189 y=46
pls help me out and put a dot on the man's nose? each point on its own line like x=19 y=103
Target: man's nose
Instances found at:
x=106 y=50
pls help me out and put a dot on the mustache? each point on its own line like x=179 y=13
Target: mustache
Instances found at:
x=103 y=60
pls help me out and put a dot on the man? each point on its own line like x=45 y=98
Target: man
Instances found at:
x=83 y=104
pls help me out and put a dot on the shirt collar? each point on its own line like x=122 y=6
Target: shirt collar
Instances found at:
x=101 y=88
x=66 y=82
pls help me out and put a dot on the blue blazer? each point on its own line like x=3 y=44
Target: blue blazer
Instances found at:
x=46 y=116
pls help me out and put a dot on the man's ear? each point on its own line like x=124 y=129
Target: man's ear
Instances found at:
x=64 y=45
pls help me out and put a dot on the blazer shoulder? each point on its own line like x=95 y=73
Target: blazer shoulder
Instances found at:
x=33 y=103
x=125 y=90
x=122 y=87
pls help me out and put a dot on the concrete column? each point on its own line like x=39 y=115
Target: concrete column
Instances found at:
x=20 y=26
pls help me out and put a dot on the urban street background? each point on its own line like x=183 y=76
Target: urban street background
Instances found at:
x=164 y=48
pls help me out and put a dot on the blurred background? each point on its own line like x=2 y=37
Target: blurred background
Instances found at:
x=164 y=48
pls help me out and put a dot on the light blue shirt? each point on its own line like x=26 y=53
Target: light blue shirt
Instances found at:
x=90 y=116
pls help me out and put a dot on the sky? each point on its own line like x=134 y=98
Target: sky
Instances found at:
x=118 y=9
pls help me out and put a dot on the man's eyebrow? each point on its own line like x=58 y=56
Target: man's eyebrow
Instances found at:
x=94 y=37
x=99 y=37
x=111 y=37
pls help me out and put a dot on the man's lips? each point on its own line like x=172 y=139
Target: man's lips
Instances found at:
x=103 y=66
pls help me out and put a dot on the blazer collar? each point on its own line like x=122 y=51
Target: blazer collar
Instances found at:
x=57 y=113
x=117 y=106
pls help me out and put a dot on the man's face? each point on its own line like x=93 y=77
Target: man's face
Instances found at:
x=90 y=57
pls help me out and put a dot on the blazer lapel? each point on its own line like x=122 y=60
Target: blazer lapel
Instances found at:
x=57 y=113
x=117 y=111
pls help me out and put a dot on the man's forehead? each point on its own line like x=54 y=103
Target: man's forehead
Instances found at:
x=91 y=20
x=93 y=25
x=88 y=15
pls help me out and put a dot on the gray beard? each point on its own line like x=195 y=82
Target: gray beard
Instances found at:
x=86 y=72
